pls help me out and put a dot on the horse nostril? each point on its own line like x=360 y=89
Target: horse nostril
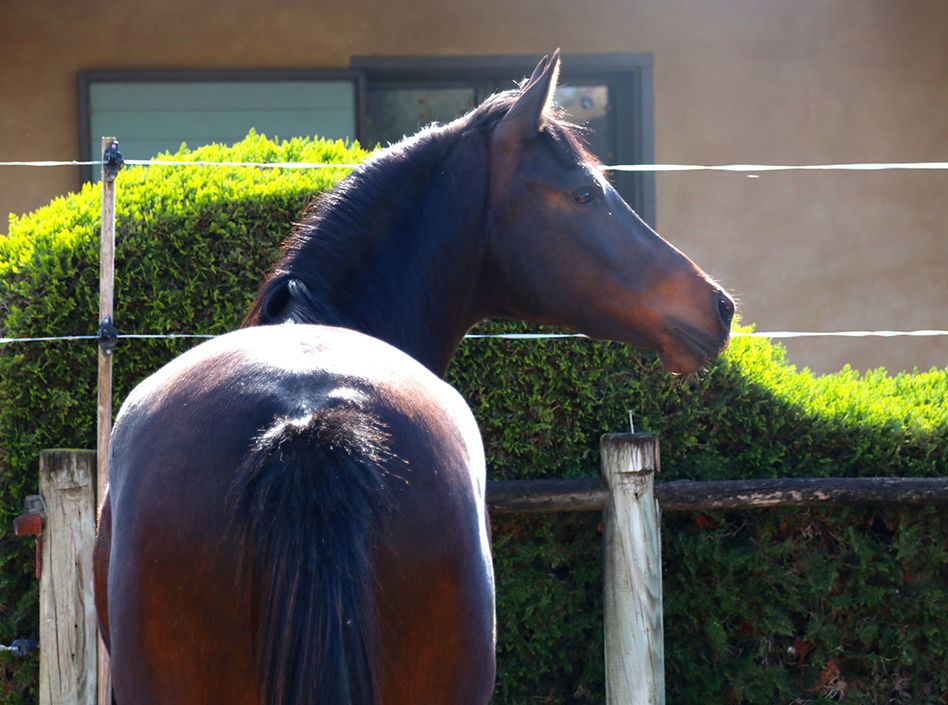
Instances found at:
x=725 y=307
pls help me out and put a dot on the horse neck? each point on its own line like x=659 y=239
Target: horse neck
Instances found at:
x=412 y=262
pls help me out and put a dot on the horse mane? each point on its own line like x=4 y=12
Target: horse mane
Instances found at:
x=375 y=204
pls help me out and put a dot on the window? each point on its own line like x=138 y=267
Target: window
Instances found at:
x=611 y=94
x=378 y=101
x=152 y=113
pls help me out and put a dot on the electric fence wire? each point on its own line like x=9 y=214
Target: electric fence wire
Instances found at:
x=780 y=334
x=740 y=168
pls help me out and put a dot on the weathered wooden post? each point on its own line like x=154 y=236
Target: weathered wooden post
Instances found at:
x=67 y=609
x=635 y=651
x=112 y=162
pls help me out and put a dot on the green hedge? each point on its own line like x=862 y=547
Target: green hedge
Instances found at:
x=760 y=607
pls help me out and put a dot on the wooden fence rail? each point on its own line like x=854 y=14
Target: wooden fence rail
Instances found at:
x=590 y=494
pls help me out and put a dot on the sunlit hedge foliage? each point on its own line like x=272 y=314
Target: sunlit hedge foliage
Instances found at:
x=760 y=607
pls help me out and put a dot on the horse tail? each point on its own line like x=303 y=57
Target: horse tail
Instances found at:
x=306 y=496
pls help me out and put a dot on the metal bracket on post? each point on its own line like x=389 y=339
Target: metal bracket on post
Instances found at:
x=112 y=161
x=31 y=523
x=21 y=647
x=34 y=504
x=107 y=335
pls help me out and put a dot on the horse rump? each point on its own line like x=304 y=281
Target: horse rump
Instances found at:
x=305 y=499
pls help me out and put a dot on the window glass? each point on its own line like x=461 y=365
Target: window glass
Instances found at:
x=392 y=113
x=151 y=117
x=610 y=95
x=589 y=106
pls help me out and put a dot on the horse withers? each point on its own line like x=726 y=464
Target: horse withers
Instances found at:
x=296 y=509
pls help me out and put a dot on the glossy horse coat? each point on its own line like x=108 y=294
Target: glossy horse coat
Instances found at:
x=296 y=511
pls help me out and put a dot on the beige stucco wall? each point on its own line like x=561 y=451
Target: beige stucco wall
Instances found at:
x=772 y=81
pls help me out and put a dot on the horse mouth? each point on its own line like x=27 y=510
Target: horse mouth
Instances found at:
x=698 y=344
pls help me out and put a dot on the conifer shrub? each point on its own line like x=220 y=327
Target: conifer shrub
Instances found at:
x=760 y=606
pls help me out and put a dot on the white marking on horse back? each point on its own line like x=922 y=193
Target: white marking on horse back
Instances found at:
x=350 y=395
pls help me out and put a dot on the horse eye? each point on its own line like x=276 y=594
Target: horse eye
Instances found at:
x=584 y=196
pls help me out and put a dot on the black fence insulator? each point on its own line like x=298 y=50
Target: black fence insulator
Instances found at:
x=108 y=335
x=113 y=161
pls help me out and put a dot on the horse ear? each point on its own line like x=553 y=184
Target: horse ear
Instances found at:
x=526 y=116
x=538 y=71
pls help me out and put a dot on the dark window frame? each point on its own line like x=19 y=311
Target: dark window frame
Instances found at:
x=628 y=76
x=85 y=79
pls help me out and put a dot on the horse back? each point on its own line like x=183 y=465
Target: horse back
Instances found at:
x=237 y=464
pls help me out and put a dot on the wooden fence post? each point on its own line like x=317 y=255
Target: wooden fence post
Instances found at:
x=112 y=162
x=635 y=651
x=67 y=609
x=106 y=326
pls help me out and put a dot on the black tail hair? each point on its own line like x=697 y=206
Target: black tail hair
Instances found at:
x=305 y=498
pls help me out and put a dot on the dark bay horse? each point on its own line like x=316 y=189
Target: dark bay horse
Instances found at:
x=296 y=511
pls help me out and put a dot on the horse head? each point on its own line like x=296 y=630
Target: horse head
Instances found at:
x=563 y=247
